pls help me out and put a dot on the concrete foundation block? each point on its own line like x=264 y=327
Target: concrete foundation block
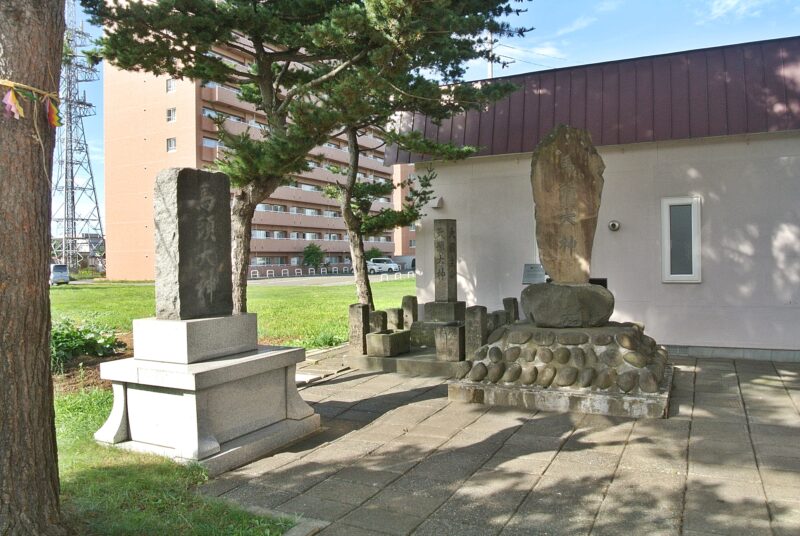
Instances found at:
x=423 y=334
x=359 y=326
x=388 y=343
x=192 y=341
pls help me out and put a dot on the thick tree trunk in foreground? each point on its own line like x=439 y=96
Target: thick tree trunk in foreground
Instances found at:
x=31 y=34
x=243 y=207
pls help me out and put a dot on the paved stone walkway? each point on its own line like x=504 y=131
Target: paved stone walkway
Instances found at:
x=398 y=458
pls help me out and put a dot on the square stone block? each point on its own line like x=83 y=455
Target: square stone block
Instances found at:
x=192 y=341
x=445 y=311
x=394 y=319
x=423 y=334
x=388 y=343
x=450 y=342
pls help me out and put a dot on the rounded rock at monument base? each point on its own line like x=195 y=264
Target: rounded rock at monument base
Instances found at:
x=480 y=353
x=561 y=355
x=495 y=354
x=478 y=372
x=529 y=352
x=606 y=378
x=513 y=372
x=462 y=369
x=578 y=357
x=627 y=380
x=496 y=335
x=566 y=376
x=586 y=377
x=647 y=381
x=495 y=372
x=528 y=375
x=611 y=357
x=562 y=305
x=635 y=359
x=519 y=337
x=546 y=375
x=512 y=354
x=545 y=355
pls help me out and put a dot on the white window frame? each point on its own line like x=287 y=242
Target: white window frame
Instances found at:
x=696 y=275
x=170 y=85
x=174 y=145
x=174 y=115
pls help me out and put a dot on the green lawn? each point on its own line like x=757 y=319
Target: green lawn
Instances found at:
x=111 y=491
x=309 y=316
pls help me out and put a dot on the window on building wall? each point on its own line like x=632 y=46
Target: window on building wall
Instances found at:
x=170 y=85
x=312 y=236
x=295 y=261
x=261 y=207
x=211 y=143
x=309 y=187
x=279 y=234
x=171 y=115
x=412 y=243
x=258 y=261
x=331 y=145
x=412 y=227
x=680 y=240
x=172 y=144
x=259 y=233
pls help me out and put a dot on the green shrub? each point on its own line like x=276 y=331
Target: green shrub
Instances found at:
x=68 y=340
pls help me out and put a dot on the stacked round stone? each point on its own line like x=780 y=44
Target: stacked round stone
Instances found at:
x=613 y=358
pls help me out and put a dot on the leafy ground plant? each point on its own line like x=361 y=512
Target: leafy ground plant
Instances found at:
x=111 y=491
x=70 y=339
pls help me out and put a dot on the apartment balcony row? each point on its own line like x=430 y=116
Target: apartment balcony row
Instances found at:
x=304 y=221
x=266 y=246
x=290 y=193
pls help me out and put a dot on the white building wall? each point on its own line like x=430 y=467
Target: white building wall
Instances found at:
x=749 y=296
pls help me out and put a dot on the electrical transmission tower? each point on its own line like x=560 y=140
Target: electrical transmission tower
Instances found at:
x=77 y=232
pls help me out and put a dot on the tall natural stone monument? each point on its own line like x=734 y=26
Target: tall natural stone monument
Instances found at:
x=567 y=181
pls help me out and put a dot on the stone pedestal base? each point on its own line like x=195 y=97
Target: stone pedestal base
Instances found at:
x=192 y=341
x=450 y=342
x=221 y=413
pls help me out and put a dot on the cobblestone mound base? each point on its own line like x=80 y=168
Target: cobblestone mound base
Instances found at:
x=610 y=370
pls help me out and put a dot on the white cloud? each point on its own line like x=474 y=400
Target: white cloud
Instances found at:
x=549 y=50
x=578 y=24
x=739 y=8
x=608 y=5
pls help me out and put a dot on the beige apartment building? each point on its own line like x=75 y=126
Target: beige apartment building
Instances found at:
x=155 y=122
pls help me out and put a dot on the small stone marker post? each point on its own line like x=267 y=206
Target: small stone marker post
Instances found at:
x=476 y=328
x=511 y=305
x=359 y=327
x=444 y=261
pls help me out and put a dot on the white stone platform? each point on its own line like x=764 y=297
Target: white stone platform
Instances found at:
x=222 y=413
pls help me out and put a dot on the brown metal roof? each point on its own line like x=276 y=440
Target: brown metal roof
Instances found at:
x=735 y=89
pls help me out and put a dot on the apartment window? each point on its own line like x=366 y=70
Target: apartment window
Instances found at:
x=279 y=234
x=412 y=243
x=258 y=261
x=259 y=233
x=278 y=208
x=172 y=145
x=171 y=115
x=312 y=236
x=311 y=212
x=294 y=210
x=383 y=200
x=312 y=164
x=680 y=240
x=330 y=214
x=170 y=85
x=412 y=227
x=294 y=235
x=331 y=145
x=261 y=207
x=309 y=187
x=296 y=261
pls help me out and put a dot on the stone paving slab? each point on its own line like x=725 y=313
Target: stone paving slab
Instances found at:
x=396 y=457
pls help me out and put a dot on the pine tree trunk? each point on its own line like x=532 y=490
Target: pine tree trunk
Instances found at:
x=243 y=208
x=363 y=288
x=354 y=234
x=31 y=34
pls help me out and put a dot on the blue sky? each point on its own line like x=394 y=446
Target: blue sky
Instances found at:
x=577 y=32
